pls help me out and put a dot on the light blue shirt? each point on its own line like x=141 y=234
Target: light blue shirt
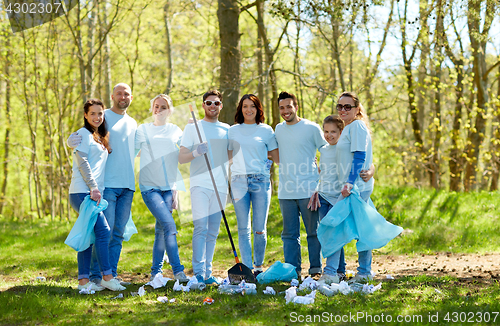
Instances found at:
x=297 y=147
x=120 y=166
x=97 y=155
x=355 y=137
x=329 y=186
x=216 y=133
x=159 y=147
x=250 y=144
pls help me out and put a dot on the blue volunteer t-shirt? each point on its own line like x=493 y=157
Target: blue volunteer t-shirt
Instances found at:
x=250 y=144
x=159 y=147
x=96 y=156
x=216 y=133
x=297 y=147
x=329 y=186
x=355 y=137
x=120 y=166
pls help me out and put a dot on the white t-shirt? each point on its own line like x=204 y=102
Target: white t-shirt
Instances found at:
x=297 y=169
x=329 y=186
x=159 y=147
x=120 y=165
x=250 y=144
x=216 y=133
x=354 y=138
x=96 y=156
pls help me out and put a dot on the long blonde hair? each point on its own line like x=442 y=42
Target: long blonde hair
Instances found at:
x=362 y=113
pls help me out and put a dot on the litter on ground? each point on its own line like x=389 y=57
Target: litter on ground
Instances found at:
x=158 y=281
x=269 y=290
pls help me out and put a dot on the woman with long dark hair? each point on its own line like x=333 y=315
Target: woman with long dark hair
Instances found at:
x=251 y=142
x=89 y=161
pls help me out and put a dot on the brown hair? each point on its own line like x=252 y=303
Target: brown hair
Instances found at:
x=336 y=120
x=101 y=135
x=285 y=95
x=259 y=117
x=362 y=113
x=212 y=92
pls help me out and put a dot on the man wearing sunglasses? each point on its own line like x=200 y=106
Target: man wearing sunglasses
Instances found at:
x=204 y=205
x=298 y=140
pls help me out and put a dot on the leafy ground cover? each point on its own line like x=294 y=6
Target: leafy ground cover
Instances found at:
x=442 y=228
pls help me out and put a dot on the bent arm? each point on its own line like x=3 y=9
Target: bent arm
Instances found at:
x=274 y=155
x=185 y=155
x=85 y=170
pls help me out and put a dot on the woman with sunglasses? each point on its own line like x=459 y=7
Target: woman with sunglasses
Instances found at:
x=354 y=154
x=251 y=142
x=159 y=180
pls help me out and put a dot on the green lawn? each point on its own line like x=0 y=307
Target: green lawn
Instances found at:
x=439 y=221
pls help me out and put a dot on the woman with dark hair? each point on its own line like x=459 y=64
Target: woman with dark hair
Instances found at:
x=251 y=142
x=89 y=161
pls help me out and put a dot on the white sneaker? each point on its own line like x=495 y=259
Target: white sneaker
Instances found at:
x=122 y=282
x=113 y=285
x=361 y=278
x=181 y=277
x=329 y=279
x=94 y=286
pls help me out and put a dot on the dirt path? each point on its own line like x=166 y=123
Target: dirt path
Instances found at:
x=477 y=267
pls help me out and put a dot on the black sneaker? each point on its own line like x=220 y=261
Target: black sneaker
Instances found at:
x=256 y=272
x=315 y=276
x=342 y=277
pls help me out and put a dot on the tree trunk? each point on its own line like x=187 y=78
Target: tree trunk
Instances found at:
x=229 y=31
x=168 y=48
x=8 y=55
x=107 y=59
x=475 y=138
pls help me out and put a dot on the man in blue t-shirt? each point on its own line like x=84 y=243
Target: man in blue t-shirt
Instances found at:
x=204 y=204
x=298 y=140
x=119 y=179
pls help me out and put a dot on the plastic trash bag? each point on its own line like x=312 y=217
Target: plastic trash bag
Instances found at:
x=353 y=219
x=277 y=272
x=130 y=229
x=82 y=234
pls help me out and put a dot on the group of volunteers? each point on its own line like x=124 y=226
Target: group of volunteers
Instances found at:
x=241 y=156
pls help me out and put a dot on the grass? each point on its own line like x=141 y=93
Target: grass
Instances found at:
x=440 y=221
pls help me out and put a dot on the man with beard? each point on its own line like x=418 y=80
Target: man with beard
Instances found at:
x=298 y=140
x=119 y=179
x=204 y=205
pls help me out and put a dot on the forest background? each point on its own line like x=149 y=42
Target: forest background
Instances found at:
x=427 y=72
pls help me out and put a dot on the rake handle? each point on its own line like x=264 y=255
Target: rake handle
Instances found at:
x=215 y=188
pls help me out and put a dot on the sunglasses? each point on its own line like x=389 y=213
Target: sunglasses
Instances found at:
x=345 y=107
x=209 y=103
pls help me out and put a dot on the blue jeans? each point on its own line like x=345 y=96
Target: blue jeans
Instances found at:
x=159 y=204
x=254 y=190
x=101 y=230
x=329 y=269
x=291 y=209
x=364 y=257
x=117 y=214
x=206 y=220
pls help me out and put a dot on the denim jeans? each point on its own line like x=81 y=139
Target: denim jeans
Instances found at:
x=101 y=230
x=291 y=209
x=364 y=257
x=206 y=220
x=251 y=190
x=117 y=214
x=159 y=204
x=329 y=269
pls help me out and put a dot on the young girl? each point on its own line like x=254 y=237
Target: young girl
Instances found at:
x=329 y=188
x=89 y=160
x=159 y=181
